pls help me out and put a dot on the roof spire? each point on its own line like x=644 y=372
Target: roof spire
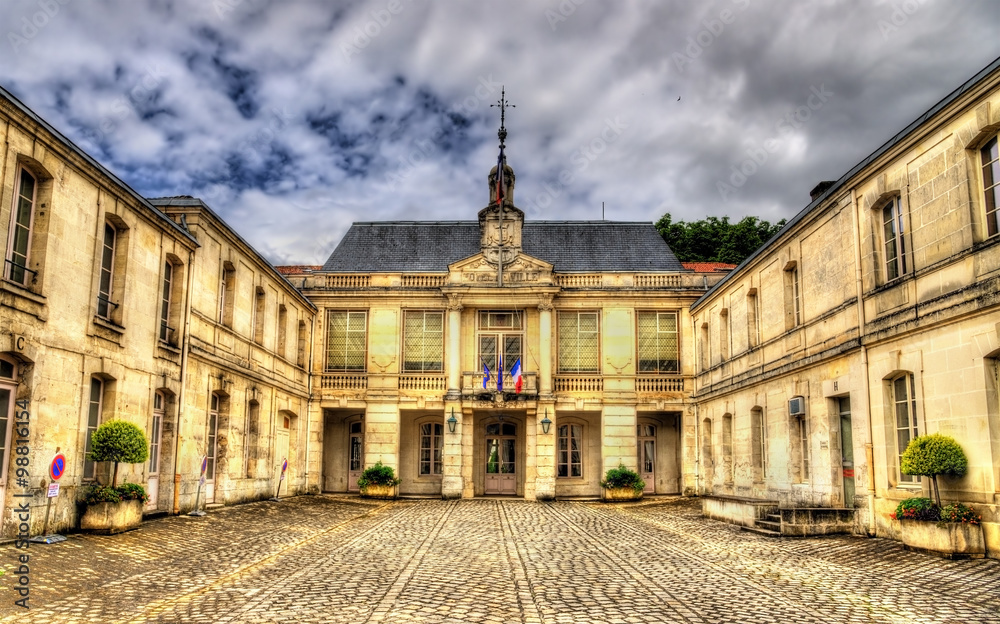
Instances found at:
x=502 y=104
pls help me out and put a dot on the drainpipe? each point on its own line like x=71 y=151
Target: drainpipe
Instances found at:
x=309 y=386
x=865 y=385
x=181 y=397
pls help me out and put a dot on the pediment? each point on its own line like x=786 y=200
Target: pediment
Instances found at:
x=523 y=270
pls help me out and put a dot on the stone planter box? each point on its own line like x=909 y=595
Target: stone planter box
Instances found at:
x=951 y=540
x=111 y=518
x=386 y=492
x=615 y=495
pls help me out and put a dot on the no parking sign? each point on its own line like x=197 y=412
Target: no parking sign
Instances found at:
x=58 y=466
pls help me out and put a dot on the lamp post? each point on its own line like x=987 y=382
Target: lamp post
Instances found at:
x=452 y=421
x=546 y=423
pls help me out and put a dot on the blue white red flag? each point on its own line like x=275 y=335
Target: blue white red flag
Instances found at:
x=515 y=374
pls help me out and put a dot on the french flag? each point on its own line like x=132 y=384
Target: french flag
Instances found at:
x=515 y=374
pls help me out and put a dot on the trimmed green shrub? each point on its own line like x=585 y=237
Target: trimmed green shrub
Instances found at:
x=119 y=441
x=111 y=494
x=379 y=474
x=933 y=455
x=622 y=477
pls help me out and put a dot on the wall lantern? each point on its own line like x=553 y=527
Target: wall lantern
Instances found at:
x=452 y=421
x=546 y=423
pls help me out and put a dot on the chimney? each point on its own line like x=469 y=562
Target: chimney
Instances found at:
x=820 y=188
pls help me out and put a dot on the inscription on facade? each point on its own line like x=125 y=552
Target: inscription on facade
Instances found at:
x=509 y=277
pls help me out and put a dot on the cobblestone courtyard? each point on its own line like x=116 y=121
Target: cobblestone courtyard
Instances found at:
x=339 y=559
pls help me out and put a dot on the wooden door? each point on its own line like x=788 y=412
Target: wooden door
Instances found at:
x=501 y=459
x=647 y=456
x=355 y=456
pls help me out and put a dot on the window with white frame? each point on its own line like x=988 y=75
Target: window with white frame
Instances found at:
x=800 y=428
x=423 y=341
x=658 y=342
x=893 y=243
x=166 y=331
x=569 y=451
x=104 y=303
x=22 y=222
x=990 y=157
x=95 y=406
x=905 y=421
x=579 y=342
x=431 y=448
x=346 y=340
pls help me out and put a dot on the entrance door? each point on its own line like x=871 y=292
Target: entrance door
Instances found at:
x=281 y=454
x=847 y=450
x=501 y=462
x=646 y=435
x=7 y=411
x=355 y=456
x=153 y=481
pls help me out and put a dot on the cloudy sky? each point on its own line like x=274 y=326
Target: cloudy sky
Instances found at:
x=292 y=119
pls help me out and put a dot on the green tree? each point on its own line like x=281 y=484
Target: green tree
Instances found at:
x=716 y=240
x=119 y=441
x=933 y=455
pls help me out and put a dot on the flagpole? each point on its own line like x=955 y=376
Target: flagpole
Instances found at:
x=502 y=104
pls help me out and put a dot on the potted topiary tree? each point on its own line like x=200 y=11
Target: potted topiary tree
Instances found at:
x=378 y=481
x=951 y=531
x=113 y=508
x=622 y=484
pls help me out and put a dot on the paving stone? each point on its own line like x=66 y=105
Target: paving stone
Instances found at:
x=487 y=561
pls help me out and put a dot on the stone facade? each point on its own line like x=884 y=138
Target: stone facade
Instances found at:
x=871 y=318
x=107 y=303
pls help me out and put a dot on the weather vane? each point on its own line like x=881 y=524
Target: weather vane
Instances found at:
x=502 y=104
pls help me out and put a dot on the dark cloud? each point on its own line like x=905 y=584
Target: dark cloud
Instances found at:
x=324 y=113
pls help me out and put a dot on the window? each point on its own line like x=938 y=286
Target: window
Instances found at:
x=500 y=335
x=801 y=443
x=212 y=435
x=892 y=240
x=154 y=439
x=94 y=408
x=707 y=459
x=758 y=443
x=904 y=411
x=258 y=315
x=300 y=358
x=166 y=331
x=704 y=350
x=8 y=409
x=282 y=330
x=346 y=340
x=227 y=294
x=569 y=449
x=727 y=446
x=724 y=334
x=19 y=247
x=793 y=302
x=658 y=346
x=431 y=445
x=423 y=341
x=990 y=157
x=251 y=438
x=578 y=342
x=104 y=303
x=753 y=317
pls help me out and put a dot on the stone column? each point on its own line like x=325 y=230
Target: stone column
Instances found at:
x=545 y=348
x=545 y=452
x=453 y=352
x=451 y=481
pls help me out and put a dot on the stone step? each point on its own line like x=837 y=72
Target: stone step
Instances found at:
x=769 y=525
x=761 y=531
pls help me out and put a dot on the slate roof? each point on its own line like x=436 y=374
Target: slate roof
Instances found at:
x=570 y=246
